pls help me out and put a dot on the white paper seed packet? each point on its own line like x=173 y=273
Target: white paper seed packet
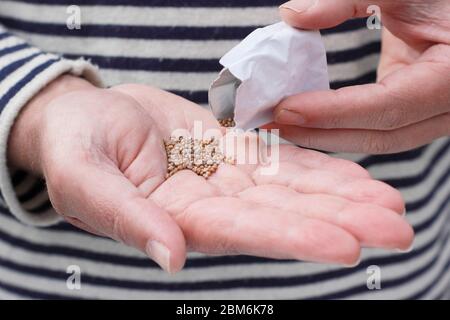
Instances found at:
x=269 y=65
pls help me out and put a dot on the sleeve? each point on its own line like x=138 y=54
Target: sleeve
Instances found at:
x=24 y=71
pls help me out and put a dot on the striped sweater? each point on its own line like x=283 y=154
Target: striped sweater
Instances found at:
x=176 y=45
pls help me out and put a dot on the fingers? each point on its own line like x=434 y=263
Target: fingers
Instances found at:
x=318 y=160
x=364 y=221
x=316 y=181
x=321 y=14
x=368 y=141
x=104 y=200
x=396 y=102
x=234 y=226
x=395 y=54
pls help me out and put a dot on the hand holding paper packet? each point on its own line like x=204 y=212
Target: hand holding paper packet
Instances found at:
x=269 y=65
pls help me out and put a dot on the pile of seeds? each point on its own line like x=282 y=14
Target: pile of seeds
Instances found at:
x=201 y=156
x=229 y=122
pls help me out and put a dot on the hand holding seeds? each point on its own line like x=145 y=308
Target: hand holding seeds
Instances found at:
x=108 y=175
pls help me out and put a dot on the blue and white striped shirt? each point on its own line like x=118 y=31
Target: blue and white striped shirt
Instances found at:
x=176 y=45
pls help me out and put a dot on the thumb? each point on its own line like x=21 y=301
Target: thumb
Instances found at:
x=107 y=202
x=322 y=14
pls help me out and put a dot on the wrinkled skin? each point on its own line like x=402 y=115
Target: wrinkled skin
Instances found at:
x=102 y=155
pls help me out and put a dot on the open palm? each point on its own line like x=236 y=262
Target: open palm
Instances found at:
x=107 y=176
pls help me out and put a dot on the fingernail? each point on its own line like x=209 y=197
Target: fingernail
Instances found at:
x=353 y=264
x=289 y=117
x=299 y=6
x=159 y=253
x=406 y=250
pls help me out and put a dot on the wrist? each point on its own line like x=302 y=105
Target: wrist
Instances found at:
x=25 y=136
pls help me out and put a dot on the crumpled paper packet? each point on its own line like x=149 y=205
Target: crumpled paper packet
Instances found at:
x=269 y=65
